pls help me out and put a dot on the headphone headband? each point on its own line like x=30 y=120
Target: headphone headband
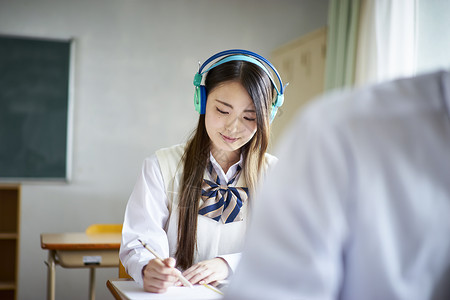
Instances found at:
x=236 y=55
x=246 y=54
x=244 y=58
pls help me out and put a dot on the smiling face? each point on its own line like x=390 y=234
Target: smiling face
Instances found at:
x=230 y=118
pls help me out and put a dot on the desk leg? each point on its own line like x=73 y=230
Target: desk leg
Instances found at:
x=51 y=275
x=92 y=283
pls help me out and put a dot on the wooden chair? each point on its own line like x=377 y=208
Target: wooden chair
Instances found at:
x=122 y=272
x=109 y=228
x=104 y=228
x=96 y=229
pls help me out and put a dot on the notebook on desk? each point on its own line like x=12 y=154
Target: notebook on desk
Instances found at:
x=132 y=291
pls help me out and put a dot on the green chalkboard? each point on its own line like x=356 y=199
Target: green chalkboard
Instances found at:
x=34 y=108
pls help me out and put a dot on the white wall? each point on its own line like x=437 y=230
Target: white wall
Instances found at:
x=135 y=61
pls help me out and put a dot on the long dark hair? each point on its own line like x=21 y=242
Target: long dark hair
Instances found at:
x=196 y=155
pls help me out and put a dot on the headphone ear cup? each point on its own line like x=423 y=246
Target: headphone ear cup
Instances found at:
x=197 y=99
x=202 y=95
x=273 y=113
x=278 y=102
x=200 y=99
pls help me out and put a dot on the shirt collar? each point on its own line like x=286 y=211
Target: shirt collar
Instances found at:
x=231 y=171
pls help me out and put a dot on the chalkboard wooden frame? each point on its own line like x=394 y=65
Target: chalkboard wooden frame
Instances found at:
x=36 y=108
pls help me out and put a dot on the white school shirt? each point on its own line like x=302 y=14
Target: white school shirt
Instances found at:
x=363 y=200
x=152 y=216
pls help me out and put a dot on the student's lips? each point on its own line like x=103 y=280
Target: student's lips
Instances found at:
x=228 y=139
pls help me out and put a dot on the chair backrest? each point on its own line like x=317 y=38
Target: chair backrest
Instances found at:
x=104 y=228
x=122 y=272
x=109 y=228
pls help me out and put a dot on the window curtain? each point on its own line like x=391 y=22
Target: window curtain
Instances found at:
x=387 y=41
x=370 y=41
x=342 y=35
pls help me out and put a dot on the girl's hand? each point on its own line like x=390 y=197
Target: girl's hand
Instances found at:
x=159 y=275
x=207 y=271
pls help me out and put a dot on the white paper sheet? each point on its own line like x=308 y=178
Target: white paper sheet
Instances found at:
x=133 y=291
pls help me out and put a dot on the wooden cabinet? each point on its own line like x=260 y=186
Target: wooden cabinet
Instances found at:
x=301 y=63
x=9 y=240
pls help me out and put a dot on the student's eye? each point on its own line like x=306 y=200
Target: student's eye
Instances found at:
x=250 y=119
x=221 y=111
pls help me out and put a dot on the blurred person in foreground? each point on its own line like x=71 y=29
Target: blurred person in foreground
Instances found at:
x=358 y=206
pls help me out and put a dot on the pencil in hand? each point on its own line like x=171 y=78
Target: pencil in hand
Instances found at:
x=181 y=277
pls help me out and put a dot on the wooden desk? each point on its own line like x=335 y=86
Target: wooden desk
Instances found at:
x=80 y=250
x=127 y=289
x=115 y=292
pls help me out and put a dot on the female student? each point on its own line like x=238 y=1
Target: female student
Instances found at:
x=191 y=201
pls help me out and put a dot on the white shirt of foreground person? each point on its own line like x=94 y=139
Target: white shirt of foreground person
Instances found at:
x=358 y=206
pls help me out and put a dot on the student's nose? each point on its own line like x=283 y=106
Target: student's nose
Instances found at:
x=233 y=125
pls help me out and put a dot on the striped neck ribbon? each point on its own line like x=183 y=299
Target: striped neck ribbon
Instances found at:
x=222 y=202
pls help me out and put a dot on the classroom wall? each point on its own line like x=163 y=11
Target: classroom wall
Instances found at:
x=133 y=93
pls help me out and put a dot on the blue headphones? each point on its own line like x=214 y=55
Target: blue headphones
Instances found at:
x=236 y=54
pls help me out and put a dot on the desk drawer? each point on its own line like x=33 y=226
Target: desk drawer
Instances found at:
x=86 y=258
